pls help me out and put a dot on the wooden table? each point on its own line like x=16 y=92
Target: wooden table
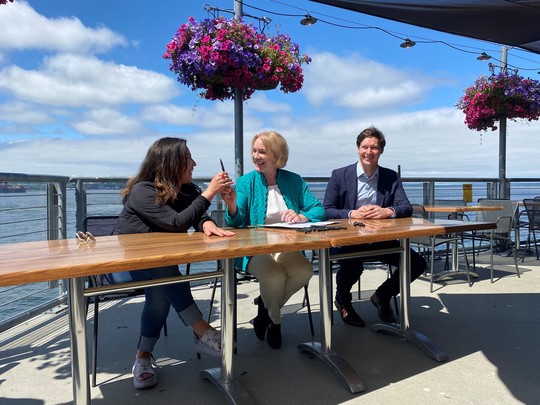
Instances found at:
x=379 y=231
x=454 y=210
x=53 y=260
x=68 y=259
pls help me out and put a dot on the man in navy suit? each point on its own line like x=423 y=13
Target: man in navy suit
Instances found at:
x=365 y=190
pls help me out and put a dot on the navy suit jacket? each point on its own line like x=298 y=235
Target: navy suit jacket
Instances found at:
x=341 y=192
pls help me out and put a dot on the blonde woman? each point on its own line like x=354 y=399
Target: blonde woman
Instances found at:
x=267 y=195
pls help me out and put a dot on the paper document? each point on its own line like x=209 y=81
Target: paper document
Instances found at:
x=302 y=225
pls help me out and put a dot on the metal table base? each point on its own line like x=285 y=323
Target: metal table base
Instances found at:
x=223 y=377
x=323 y=350
x=403 y=329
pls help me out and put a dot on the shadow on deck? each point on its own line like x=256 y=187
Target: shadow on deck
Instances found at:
x=489 y=331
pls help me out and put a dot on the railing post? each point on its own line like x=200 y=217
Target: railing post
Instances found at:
x=80 y=202
x=56 y=211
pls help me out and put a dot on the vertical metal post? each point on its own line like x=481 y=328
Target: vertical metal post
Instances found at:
x=325 y=293
x=77 y=331
x=405 y=284
x=228 y=322
x=56 y=211
x=238 y=115
x=502 y=137
x=80 y=202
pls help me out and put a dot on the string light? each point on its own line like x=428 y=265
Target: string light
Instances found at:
x=308 y=20
x=484 y=56
x=405 y=44
x=408 y=44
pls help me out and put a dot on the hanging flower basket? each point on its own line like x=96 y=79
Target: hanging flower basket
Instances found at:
x=220 y=55
x=503 y=95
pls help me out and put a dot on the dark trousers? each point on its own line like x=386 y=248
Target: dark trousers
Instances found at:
x=351 y=269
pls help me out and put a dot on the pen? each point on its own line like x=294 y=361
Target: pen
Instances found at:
x=222 y=167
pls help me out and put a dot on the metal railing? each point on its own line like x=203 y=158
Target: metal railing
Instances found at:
x=32 y=207
x=54 y=207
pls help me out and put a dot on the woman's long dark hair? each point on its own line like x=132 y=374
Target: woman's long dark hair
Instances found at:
x=164 y=164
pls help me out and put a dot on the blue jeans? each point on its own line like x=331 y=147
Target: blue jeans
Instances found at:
x=159 y=300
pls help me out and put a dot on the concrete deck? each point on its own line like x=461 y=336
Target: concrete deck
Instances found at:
x=491 y=333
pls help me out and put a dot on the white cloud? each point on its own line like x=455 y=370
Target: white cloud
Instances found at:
x=20 y=112
x=357 y=83
x=107 y=122
x=22 y=28
x=201 y=117
x=424 y=143
x=74 y=80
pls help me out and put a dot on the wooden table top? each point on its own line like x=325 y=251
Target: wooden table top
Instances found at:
x=30 y=262
x=380 y=230
x=462 y=208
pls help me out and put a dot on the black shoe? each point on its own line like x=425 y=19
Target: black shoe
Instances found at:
x=349 y=315
x=262 y=320
x=273 y=336
x=383 y=309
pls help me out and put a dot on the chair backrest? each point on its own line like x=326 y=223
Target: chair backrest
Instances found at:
x=503 y=218
x=218 y=216
x=532 y=208
x=419 y=211
x=105 y=225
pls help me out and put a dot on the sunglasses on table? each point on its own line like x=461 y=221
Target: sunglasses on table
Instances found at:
x=85 y=237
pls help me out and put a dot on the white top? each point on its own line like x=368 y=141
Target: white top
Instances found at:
x=276 y=205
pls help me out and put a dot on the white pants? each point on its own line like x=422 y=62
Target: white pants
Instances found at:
x=280 y=275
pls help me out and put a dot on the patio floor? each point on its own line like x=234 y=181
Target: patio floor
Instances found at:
x=489 y=331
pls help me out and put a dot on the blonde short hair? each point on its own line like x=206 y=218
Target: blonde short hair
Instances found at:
x=276 y=145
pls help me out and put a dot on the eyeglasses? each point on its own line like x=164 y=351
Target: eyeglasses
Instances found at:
x=85 y=237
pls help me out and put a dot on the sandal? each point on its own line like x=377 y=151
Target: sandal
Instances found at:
x=144 y=375
x=209 y=343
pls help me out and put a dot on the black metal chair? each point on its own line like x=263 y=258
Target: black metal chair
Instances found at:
x=104 y=226
x=428 y=244
x=218 y=216
x=502 y=235
x=532 y=211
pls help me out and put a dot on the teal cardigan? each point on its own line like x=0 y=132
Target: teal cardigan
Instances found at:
x=252 y=200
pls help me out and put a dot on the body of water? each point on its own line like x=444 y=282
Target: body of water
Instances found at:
x=23 y=218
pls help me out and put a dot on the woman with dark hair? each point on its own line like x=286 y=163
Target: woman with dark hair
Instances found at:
x=161 y=197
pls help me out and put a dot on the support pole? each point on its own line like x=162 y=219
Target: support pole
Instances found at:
x=238 y=115
x=502 y=137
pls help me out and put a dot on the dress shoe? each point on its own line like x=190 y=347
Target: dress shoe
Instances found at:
x=383 y=309
x=262 y=320
x=349 y=315
x=273 y=335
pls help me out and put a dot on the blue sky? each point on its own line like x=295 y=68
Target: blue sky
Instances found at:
x=84 y=91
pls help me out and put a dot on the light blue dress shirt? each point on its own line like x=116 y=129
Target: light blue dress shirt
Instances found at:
x=367 y=187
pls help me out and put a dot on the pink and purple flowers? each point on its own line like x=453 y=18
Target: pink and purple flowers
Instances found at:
x=500 y=95
x=220 y=55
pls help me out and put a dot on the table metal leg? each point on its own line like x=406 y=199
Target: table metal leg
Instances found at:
x=403 y=329
x=223 y=377
x=454 y=268
x=77 y=334
x=323 y=350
